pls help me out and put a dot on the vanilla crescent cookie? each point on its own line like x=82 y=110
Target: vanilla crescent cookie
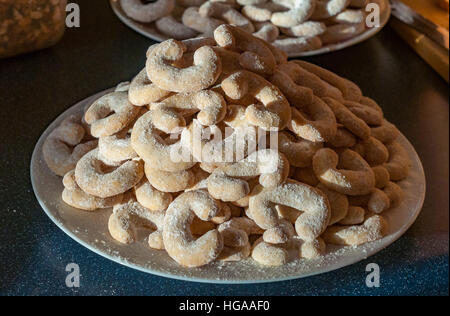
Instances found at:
x=171 y=182
x=64 y=147
x=170 y=112
x=355 y=178
x=328 y=8
x=299 y=152
x=382 y=176
x=143 y=92
x=204 y=25
x=299 y=12
x=372 y=116
x=348 y=119
x=273 y=111
x=269 y=254
x=386 y=132
x=292 y=45
x=116 y=148
x=373 y=228
x=110 y=114
x=128 y=216
x=281 y=234
x=228 y=183
x=262 y=11
x=150 y=197
x=230 y=62
x=174 y=29
x=154 y=150
x=235 y=231
x=354 y=216
x=306 y=29
x=314 y=204
x=343 y=138
x=256 y=55
x=315 y=122
x=226 y=13
x=312 y=249
x=339 y=205
x=201 y=75
x=178 y=240
x=373 y=151
x=398 y=165
x=149 y=12
x=296 y=94
x=341 y=32
x=266 y=31
x=307 y=79
x=97 y=179
x=349 y=90
x=75 y=197
x=235 y=253
x=223 y=149
x=349 y=16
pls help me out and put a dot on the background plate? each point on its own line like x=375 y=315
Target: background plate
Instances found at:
x=90 y=229
x=149 y=29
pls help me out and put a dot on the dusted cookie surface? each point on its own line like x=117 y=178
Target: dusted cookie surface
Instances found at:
x=222 y=150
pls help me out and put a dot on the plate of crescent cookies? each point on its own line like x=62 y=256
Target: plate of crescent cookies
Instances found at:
x=222 y=161
x=299 y=27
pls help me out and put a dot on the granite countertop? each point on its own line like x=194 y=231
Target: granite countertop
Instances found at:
x=36 y=88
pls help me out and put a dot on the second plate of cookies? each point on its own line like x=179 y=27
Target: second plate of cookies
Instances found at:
x=300 y=28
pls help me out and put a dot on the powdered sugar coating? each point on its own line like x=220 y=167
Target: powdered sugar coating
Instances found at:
x=201 y=75
x=178 y=239
x=63 y=147
x=97 y=179
x=150 y=141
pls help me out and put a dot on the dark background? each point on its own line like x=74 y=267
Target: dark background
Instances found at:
x=36 y=88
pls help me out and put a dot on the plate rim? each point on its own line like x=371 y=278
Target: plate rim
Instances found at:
x=386 y=14
x=38 y=147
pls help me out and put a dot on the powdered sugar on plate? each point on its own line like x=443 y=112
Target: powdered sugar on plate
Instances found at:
x=90 y=230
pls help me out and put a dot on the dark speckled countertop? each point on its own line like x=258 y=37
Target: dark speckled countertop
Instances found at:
x=36 y=88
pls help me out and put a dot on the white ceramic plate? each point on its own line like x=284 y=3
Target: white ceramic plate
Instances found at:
x=149 y=29
x=90 y=229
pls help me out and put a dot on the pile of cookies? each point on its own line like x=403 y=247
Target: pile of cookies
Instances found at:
x=292 y=25
x=153 y=151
